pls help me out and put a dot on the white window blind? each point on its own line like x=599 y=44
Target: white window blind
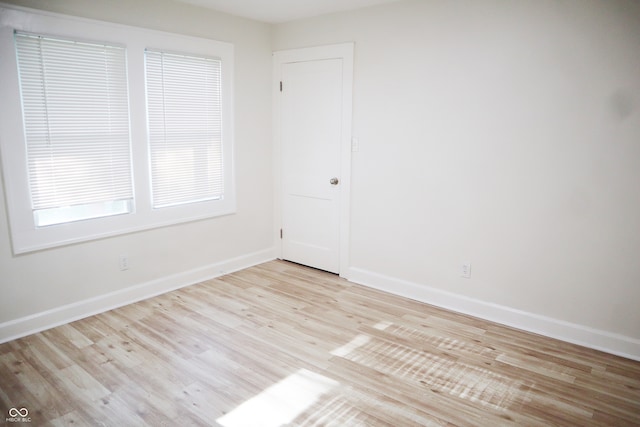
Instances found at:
x=184 y=103
x=76 y=114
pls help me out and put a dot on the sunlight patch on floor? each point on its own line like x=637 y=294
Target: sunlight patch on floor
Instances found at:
x=282 y=402
x=381 y=326
x=436 y=372
x=352 y=345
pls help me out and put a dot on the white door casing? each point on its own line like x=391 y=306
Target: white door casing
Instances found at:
x=312 y=117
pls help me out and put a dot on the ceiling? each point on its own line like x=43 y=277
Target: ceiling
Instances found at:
x=278 y=11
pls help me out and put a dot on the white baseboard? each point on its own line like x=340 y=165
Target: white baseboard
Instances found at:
x=577 y=334
x=570 y=332
x=68 y=313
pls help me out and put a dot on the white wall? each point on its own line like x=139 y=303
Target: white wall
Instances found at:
x=164 y=257
x=506 y=134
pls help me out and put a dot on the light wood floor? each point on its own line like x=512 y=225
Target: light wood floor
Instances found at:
x=281 y=344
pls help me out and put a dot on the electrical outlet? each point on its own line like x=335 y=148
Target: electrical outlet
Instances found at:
x=123 y=262
x=465 y=270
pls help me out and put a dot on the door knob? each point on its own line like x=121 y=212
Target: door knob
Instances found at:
x=334 y=181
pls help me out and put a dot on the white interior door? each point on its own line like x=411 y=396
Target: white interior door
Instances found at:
x=311 y=126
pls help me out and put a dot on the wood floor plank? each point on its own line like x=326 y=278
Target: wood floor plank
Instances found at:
x=280 y=343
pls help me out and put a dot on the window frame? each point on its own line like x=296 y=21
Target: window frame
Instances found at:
x=25 y=236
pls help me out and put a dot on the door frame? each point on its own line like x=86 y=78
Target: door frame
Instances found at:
x=342 y=51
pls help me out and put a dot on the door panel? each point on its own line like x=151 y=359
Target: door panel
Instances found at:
x=310 y=128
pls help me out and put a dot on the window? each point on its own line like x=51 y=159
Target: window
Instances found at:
x=105 y=129
x=185 y=128
x=76 y=120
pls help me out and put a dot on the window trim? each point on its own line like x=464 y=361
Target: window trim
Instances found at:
x=25 y=236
